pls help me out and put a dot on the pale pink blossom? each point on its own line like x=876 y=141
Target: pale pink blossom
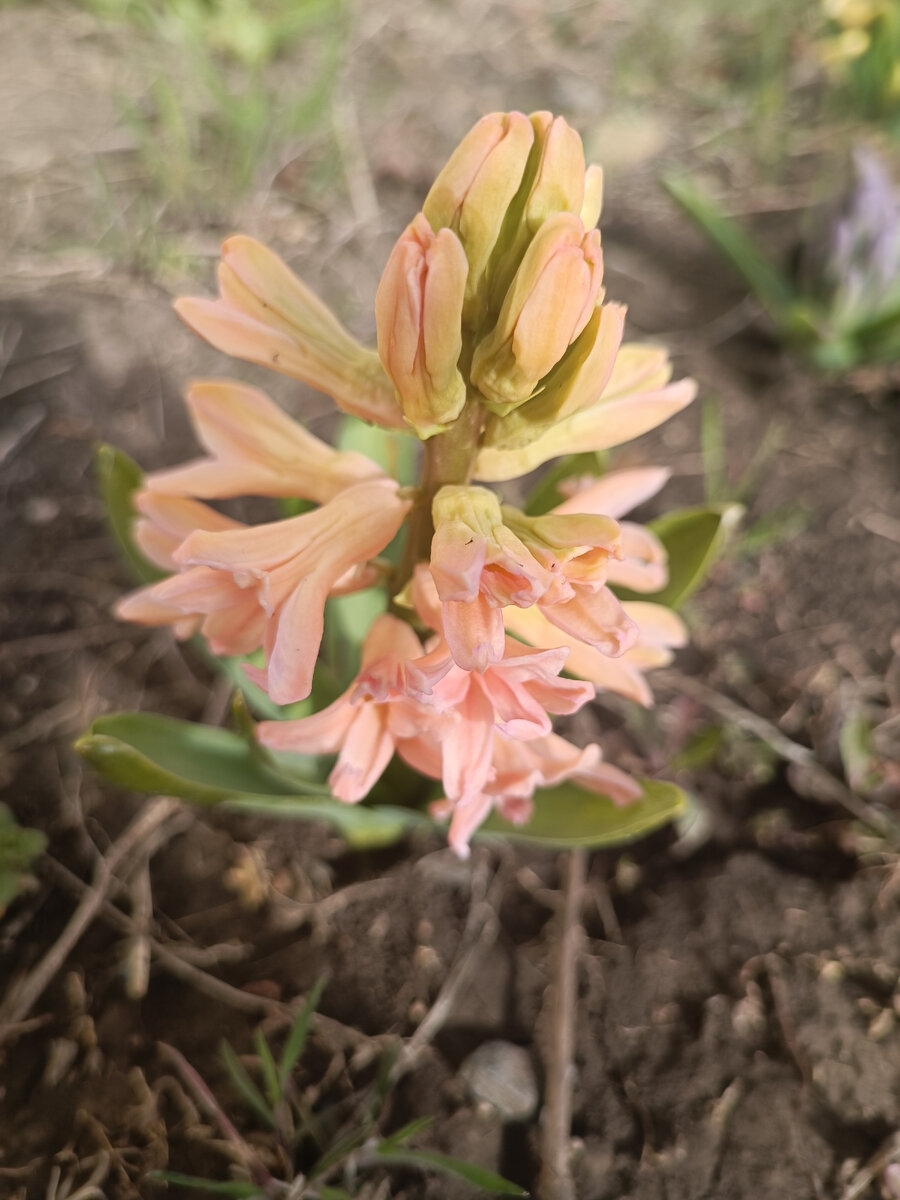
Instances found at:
x=266 y=585
x=521 y=768
x=485 y=557
x=255 y=449
x=356 y=726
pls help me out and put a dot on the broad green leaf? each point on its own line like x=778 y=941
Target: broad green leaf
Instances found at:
x=568 y=816
x=244 y=1084
x=296 y=1039
x=150 y=753
x=772 y=287
x=694 y=538
x=18 y=849
x=488 y=1181
x=231 y=1187
x=395 y=452
x=119 y=478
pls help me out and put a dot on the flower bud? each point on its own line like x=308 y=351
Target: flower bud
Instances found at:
x=577 y=381
x=552 y=297
x=472 y=193
x=554 y=182
x=593 y=196
x=560 y=178
x=418 y=310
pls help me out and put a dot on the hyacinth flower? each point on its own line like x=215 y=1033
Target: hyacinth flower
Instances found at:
x=497 y=351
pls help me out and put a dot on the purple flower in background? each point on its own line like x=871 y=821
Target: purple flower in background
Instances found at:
x=864 y=264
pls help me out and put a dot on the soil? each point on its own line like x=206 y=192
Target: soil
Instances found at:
x=736 y=1033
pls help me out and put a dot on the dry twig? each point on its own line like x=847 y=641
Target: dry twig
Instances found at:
x=21 y=998
x=555 y=1181
x=811 y=778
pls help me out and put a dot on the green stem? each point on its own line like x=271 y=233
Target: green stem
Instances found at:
x=449 y=459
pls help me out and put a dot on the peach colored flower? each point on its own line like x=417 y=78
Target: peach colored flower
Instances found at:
x=552 y=297
x=255 y=449
x=642 y=568
x=267 y=316
x=418 y=313
x=659 y=632
x=636 y=398
x=267 y=584
x=485 y=557
x=521 y=768
x=356 y=726
x=473 y=192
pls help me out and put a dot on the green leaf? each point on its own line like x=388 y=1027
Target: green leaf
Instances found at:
x=119 y=478
x=362 y=827
x=405 y=1134
x=694 y=538
x=772 y=287
x=231 y=1187
x=296 y=1039
x=347 y=621
x=268 y=1068
x=712 y=449
x=245 y=1085
x=568 y=816
x=18 y=849
x=393 y=450
x=857 y=752
x=488 y=1181
x=149 y=753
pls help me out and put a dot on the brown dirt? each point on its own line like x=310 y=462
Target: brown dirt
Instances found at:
x=735 y=1035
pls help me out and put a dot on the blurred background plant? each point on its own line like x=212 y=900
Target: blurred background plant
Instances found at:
x=231 y=90
x=839 y=305
x=309 y=1144
x=860 y=49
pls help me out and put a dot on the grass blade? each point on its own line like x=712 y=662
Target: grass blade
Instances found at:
x=270 y=1076
x=245 y=1085
x=296 y=1039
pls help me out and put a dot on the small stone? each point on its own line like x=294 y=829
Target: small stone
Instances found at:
x=502 y=1075
x=832 y=971
x=882 y=1025
x=417 y=1012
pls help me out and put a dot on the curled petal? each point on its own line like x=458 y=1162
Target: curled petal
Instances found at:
x=608 y=423
x=257 y=450
x=596 y=618
x=267 y=316
x=616 y=493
